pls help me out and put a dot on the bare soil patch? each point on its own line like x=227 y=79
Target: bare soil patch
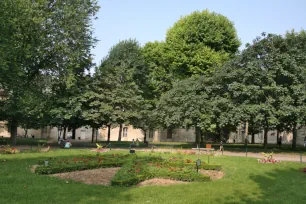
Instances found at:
x=213 y=174
x=100 y=176
x=160 y=182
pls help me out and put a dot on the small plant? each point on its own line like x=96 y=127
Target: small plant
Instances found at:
x=8 y=150
x=268 y=158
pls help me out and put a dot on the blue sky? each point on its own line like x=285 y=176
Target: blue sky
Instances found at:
x=149 y=20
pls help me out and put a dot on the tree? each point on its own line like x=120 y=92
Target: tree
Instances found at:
x=122 y=76
x=41 y=38
x=187 y=105
x=160 y=77
x=266 y=82
x=291 y=77
x=199 y=43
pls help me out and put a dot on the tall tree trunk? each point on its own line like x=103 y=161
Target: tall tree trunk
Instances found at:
x=266 y=137
x=64 y=134
x=92 y=135
x=120 y=133
x=145 y=136
x=25 y=133
x=277 y=136
x=109 y=133
x=73 y=133
x=246 y=132
x=14 y=126
x=97 y=131
x=294 y=131
x=201 y=137
x=198 y=135
x=253 y=138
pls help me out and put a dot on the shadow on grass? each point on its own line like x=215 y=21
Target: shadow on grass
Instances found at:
x=19 y=185
x=279 y=186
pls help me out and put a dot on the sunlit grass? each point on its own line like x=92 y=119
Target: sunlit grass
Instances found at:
x=245 y=181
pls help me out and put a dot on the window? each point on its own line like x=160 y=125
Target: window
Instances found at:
x=169 y=133
x=125 y=131
x=151 y=133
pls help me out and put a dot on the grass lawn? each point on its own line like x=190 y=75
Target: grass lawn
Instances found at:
x=245 y=181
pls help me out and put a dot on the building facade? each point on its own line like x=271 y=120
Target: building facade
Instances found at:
x=154 y=135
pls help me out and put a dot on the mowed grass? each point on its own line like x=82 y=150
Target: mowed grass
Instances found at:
x=245 y=181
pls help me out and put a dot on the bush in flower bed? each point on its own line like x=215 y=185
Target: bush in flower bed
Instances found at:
x=144 y=168
x=179 y=162
x=131 y=173
x=8 y=150
x=80 y=163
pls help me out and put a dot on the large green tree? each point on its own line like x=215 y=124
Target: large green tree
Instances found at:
x=200 y=42
x=121 y=86
x=41 y=39
x=267 y=83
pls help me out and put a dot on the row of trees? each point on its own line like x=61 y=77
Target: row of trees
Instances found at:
x=196 y=78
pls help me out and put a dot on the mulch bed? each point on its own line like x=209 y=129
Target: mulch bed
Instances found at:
x=100 y=176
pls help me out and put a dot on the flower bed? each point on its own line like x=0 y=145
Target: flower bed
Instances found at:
x=155 y=167
x=178 y=162
x=133 y=170
x=80 y=163
x=268 y=158
x=8 y=150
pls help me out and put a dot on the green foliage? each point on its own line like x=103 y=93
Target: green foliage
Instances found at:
x=143 y=168
x=119 y=86
x=52 y=43
x=160 y=75
x=267 y=84
x=8 y=150
x=200 y=42
x=80 y=163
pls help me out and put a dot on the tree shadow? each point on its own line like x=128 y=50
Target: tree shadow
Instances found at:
x=278 y=186
x=20 y=185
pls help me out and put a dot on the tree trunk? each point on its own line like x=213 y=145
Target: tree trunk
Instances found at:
x=277 y=136
x=97 y=131
x=73 y=133
x=14 y=126
x=144 y=136
x=294 y=131
x=25 y=133
x=120 y=133
x=201 y=137
x=198 y=135
x=92 y=135
x=109 y=133
x=247 y=131
x=253 y=138
x=64 y=134
x=266 y=137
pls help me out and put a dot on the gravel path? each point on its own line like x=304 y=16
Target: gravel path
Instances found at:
x=294 y=157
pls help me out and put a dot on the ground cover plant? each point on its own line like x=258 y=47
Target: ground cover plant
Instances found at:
x=143 y=168
x=60 y=165
x=8 y=150
x=245 y=181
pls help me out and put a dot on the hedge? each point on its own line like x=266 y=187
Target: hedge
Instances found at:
x=202 y=166
x=69 y=168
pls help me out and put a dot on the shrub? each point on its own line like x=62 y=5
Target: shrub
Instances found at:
x=79 y=163
x=8 y=150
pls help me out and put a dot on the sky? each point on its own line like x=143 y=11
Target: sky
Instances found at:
x=149 y=20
